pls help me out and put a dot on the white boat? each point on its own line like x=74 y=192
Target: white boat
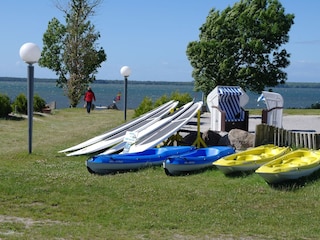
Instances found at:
x=101 y=107
x=166 y=131
x=146 y=126
x=123 y=127
x=124 y=145
x=159 y=111
x=291 y=166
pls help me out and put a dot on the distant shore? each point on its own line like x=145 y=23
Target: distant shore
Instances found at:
x=105 y=81
x=13 y=79
x=295 y=95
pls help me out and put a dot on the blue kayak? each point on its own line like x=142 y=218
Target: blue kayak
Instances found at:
x=195 y=160
x=103 y=164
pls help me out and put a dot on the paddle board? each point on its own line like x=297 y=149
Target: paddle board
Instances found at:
x=162 y=133
x=124 y=127
x=106 y=143
x=125 y=144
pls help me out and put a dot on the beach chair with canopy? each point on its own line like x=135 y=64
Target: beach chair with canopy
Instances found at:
x=226 y=106
x=273 y=114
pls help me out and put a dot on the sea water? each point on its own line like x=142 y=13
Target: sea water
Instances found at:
x=136 y=92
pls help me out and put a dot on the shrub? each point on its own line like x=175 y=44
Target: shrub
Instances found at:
x=147 y=105
x=161 y=100
x=38 y=103
x=315 y=106
x=183 y=98
x=5 y=107
x=20 y=104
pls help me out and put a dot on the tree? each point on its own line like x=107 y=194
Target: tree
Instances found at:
x=20 y=104
x=71 y=50
x=5 y=107
x=242 y=46
x=38 y=103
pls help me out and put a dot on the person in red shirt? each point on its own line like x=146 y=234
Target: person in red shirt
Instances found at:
x=89 y=97
x=118 y=97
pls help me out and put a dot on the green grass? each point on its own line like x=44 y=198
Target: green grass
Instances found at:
x=46 y=195
x=289 y=111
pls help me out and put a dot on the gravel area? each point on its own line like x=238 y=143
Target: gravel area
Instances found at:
x=307 y=123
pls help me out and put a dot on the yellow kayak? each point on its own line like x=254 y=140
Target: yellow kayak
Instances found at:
x=251 y=159
x=294 y=165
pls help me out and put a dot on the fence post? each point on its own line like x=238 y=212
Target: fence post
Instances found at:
x=266 y=134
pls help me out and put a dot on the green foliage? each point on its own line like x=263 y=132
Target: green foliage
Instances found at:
x=38 y=103
x=161 y=100
x=5 y=107
x=147 y=105
x=315 y=106
x=71 y=51
x=20 y=104
x=183 y=98
x=241 y=45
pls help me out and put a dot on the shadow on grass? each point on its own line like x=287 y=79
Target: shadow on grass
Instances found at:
x=240 y=174
x=187 y=173
x=14 y=118
x=115 y=172
x=296 y=184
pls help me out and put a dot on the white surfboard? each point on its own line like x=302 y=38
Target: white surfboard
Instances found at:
x=124 y=127
x=150 y=124
x=166 y=131
x=149 y=130
x=103 y=144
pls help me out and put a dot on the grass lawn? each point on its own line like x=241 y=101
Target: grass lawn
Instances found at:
x=46 y=195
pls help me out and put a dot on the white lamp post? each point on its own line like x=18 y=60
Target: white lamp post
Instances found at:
x=30 y=53
x=125 y=72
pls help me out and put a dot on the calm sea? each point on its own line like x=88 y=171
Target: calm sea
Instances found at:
x=293 y=97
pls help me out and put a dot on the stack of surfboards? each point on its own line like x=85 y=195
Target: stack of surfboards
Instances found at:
x=141 y=133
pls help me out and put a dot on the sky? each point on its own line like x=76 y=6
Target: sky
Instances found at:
x=149 y=36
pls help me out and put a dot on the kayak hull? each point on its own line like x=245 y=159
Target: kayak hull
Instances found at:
x=103 y=164
x=197 y=160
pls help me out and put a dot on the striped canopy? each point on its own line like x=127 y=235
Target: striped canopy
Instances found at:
x=229 y=101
